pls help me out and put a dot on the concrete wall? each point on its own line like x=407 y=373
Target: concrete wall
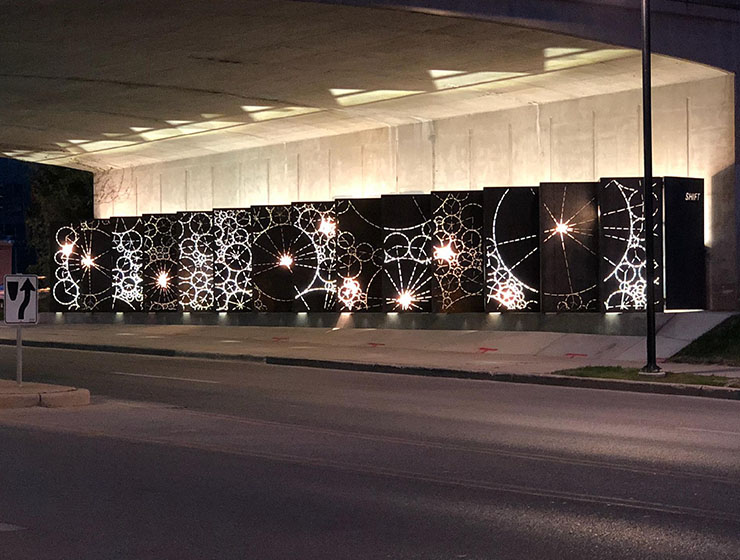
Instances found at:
x=579 y=139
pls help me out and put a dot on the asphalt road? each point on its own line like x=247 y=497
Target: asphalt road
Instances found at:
x=195 y=459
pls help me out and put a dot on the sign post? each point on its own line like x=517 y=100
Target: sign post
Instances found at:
x=21 y=306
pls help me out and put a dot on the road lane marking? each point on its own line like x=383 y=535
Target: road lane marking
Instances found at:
x=165 y=377
x=7 y=527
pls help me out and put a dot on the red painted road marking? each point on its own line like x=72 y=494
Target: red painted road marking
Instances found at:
x=375 y=344
x=279 y=338
x=485 y=349
x=574 y=355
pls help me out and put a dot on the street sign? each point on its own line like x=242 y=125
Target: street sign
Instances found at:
x=21 y=299
x=21 y=307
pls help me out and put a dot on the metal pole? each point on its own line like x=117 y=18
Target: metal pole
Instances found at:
x=651 y=367
x=19 y=356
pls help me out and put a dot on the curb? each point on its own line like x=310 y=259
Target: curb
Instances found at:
x=75 y=397
x=727 y=393
x=56 y=399
x=162 y=352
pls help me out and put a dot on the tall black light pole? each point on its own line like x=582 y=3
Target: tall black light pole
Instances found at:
x=651 y=367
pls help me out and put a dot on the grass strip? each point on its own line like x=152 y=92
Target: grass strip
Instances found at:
x=633 y=374
x=721 y=345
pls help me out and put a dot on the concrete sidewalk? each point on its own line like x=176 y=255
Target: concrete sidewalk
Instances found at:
x=471 y=351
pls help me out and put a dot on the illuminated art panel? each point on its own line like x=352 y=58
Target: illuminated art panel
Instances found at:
x=82 y=267
x=277 y=248
x=683 y=234
x=161 y=262
x=569 y=230
x=313 y=270
x=127 y=260
x=623 y=279
x=195 y=274
x=232 y=260
x=457 y=251
x=407 y=226
x=359 y=258
x=511 y=230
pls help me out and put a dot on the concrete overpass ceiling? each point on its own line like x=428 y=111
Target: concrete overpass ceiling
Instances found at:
x=103 y=84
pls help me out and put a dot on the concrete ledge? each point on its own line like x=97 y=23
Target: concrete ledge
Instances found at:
x=629 y=323
x=75 y=397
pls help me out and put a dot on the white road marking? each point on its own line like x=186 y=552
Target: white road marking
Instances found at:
x=7 y=527
x=711 y=431
x=166 y=377
x=124 y=334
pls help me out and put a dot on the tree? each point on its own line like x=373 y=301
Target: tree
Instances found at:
x=59 y=195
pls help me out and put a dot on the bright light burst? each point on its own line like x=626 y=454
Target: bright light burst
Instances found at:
x=286 y=261
x=67 y=249
x=87 y=261
x=163 y=280
x=405 y=299
x=562 y=228
x=349 y=293
x=445 y=253
x=328 y=227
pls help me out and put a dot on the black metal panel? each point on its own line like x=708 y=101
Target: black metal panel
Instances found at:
x=685 y=264
x=313 y=273
x=82 y=267
x=622 y=245
x=457 y=251
x=359 y=258
x=569 y=241
x=128 y=261
x=275 y=241
x=161 y=262
x=511 y=230
x=407 y=282
x=232 y=260
x=195 y=274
